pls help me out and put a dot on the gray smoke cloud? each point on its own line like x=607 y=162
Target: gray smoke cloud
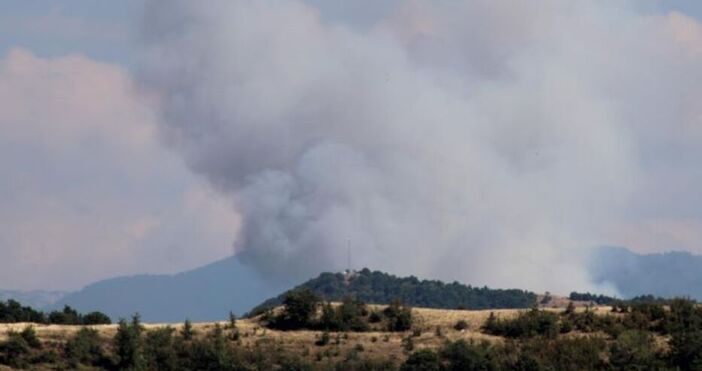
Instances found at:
x=488 y=142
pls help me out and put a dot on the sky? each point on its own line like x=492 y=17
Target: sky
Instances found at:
x=491 y=143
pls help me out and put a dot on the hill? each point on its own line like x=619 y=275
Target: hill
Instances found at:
x=203 y=294
x=33 y=298
x=382 y=288
x=667 y=274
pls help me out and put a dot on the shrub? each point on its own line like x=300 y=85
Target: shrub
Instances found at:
x=324 y=339
x=462 y=355
x=408 y=344
x=211 y=353
x=399 y=317
x=85 y=347
x=350 y=315
x=159 y=350
x=564 y=353
x=30 y=336
x=461 y=325
x=527 y=324
x=686 y=349
x=375 y=317
x=634 y=349
x=14 y=350
x=422 y=360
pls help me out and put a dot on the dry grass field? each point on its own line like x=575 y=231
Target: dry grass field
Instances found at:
x=432 y=328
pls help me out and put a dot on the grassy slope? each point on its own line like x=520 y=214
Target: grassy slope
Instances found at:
x=375 y=344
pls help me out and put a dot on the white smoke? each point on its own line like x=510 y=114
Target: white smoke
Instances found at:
x=488 y=142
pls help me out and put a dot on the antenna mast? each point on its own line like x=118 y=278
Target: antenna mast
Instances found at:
x=348 y=255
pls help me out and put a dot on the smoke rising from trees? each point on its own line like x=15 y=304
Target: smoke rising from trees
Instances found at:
x=489 y=142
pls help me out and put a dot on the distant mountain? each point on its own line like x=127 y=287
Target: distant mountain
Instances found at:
x=203 y=294
x=382 y=288
x=667 y=274
x=32 y=298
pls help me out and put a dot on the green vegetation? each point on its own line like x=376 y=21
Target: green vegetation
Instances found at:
x=535 y=340
x=643 y=334
x=301 y=311
x=12 y=312
x=86 y=348
x=382 y=288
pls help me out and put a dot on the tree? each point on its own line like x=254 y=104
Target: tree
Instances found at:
x=68 y=316
x=187 y=331
x=300 y=306
x=96 y=318
x=128 y=345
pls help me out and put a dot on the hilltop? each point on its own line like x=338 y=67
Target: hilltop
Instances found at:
x=383 y=288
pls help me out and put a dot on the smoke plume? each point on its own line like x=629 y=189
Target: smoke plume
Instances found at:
x=487 y=142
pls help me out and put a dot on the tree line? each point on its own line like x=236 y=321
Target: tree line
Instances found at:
x=12 y=311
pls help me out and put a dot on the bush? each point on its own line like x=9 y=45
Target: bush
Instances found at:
x=564 y=353
x=159 y=350
x=399 y=317
x=686 y=349
x=375 y=317
x=351 y=314
x=14 y=350
x=85 y=347
x=30 y=336
x=422 y=360
x=211 y=353
x=324 y=339
x=461 y=325
x=464 y=356
x=634 y=349
x=527 y=324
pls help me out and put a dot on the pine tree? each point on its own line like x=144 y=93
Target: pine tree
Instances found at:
x=128 y=345
x=187 y=332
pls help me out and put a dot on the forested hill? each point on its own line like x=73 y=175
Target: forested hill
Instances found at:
x=382 y=288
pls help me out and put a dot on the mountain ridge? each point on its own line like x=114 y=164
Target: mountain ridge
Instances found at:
x=202 y=294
